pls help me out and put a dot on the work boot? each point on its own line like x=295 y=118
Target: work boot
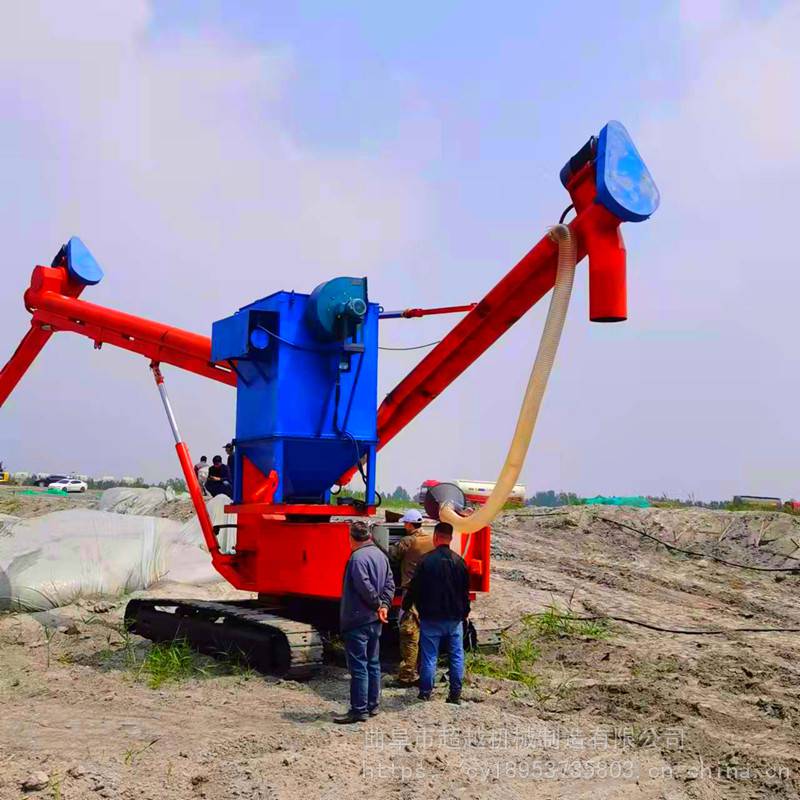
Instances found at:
x=373 y=712
x=349 y=718
x=454 y=698
x=424 y=696
x=401 y=683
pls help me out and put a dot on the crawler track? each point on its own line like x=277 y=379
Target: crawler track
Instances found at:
x=269 y=642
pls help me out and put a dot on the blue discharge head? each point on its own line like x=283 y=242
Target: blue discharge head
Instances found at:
x=624 y=184
x=81 y=264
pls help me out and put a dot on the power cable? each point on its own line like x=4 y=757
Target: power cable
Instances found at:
x=416 y=347
x=564 y=213
x=696 y=553
x=660 y=628
x=646 y=535
x=298 y=346
x=688 y=631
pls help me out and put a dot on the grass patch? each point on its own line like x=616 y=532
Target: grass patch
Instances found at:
x=518 y=653
x=55 y=787
x=132 y=753
x=553 y=623
x=10 y=505
x=758 y=507
x=520 y=648
x=128 y=645
x=170 y=662
x=176 y=661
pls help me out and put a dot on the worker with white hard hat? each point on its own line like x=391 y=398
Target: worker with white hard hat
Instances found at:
x=408 y=552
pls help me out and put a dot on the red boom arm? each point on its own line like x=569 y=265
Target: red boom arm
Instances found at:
x=597 y=232
x=53 y=301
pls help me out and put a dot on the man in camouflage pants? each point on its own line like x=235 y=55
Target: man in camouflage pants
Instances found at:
x=409 y=552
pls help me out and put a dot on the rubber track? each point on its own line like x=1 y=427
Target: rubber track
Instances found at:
x=302 y=643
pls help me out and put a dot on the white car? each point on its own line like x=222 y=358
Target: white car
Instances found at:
x=69 y=485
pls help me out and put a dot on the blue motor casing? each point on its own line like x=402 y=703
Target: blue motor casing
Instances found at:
x=306 y=408
x=336 y=308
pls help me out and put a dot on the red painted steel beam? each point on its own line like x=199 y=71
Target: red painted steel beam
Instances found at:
x=52 y=300
x=101 y=324
x=410 y=313
x=193 y=357
x=54 y=311
x=305 y=509
x=25 y=354
x=42 y=279
x=427 y=312
x=596 y=232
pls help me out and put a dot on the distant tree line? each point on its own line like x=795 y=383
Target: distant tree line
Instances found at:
x=665 y=501
x=399 y=495
x=553 y=499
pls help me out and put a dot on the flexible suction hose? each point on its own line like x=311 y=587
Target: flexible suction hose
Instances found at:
x=537 y=383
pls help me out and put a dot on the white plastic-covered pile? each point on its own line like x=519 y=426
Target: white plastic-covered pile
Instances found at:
x=55 y=559
x=128 y=500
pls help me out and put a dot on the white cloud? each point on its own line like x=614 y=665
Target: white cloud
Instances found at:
x=736 y=114
x=170 y=159
x=703 y=15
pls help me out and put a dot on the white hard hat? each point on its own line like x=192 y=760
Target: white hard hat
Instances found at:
x=412 y=515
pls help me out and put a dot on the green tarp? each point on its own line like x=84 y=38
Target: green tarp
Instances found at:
x=637 y=502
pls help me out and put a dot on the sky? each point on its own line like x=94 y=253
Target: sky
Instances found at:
x=210 y=153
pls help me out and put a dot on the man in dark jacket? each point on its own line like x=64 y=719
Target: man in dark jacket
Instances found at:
x=440 y=592
x=219 y=478
x=367 y=594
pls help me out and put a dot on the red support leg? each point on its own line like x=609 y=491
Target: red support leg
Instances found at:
x=30 y=347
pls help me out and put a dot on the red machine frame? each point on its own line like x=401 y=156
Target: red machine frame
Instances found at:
x=290 y=550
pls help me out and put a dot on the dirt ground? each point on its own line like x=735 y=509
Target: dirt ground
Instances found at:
x=632 y=713
x=29 y=501
x=21 y=501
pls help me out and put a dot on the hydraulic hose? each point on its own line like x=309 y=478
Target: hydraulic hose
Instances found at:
x=531 y=402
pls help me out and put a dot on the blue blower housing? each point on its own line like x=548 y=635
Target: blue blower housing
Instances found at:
x=306 y=399
x=336 y=308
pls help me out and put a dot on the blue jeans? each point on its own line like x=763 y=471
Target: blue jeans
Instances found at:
x=362 y=646
x=431 y=634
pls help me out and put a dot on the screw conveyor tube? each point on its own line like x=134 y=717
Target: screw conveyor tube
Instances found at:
x=537 y=383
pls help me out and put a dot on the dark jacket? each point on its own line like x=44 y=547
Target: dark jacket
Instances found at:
x=220 y=471
x=368 y=584
x=440 y=586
